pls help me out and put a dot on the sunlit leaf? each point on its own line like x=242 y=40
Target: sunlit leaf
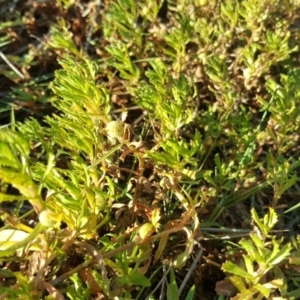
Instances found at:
x=146 y=230
x=238 y=283
x=9 y=237
x=235 y=269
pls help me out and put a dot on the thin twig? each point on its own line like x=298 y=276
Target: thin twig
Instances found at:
x=97 y=256
x=191 y=270
x=90 y=30
x=236 y=233
x=160 y=282
x=71 y=272
x=11 y=65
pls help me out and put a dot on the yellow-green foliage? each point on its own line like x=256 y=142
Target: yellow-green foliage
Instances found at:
x=173 y=120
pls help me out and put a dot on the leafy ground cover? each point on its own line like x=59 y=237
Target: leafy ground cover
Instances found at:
x=149 y=149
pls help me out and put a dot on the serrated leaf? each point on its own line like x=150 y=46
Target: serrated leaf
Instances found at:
x=8 y=163
x=236 y=270
x=282 y=254
x=276 y=244
x=271 y=218
x=262 y=252
x=258 y=222
x=274 y=284
x=257 y=241
x=246 y=295
x=248 y=246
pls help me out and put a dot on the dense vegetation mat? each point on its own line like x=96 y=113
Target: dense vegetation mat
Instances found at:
x=149 y=149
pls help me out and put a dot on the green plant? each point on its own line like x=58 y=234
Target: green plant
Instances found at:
x=259 y=274
x=170 y=120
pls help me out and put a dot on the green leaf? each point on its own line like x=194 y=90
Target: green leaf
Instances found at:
x=158 y=75
x=248 y=294
x=271 y=218
x=61 y=38
x=263 y=290
x=6 y=197
x=248 y=246
x=172 y=290
x=22 y=182
x=249 y=264
x=7 y=158
x=11 y=237
x=180 y=261
x=294 y=258
x=278 y=256
x=258 y=222
x=238 y=283
x=25 y=284
x=235 y=269
x=16 y=140
x=191 y=293
x=288 y=184
x=26 y=239
x=146 y=230
x=138 y=278
x=293 y=295
x=262 y=251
